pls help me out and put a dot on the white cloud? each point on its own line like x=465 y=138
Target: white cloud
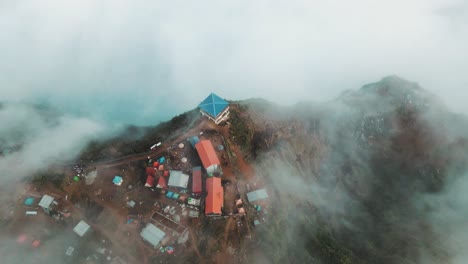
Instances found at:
x=40 y=142
x=142 y=61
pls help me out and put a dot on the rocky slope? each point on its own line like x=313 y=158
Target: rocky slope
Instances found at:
x=359 y=179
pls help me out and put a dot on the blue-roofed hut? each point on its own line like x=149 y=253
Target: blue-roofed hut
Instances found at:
x=215 y=108
x=117 y=180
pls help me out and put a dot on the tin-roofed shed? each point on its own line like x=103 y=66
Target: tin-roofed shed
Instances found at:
x=196 y=180
x=46 y=203
x=82 y=228
x=178 y=179
x=257 y=195
x=152 y=235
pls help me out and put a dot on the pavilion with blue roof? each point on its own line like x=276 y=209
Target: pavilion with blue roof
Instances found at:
x=215 y=108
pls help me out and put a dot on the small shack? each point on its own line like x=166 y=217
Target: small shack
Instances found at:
x=82 y=228
x=193 y=201
x=149 y=181
x=152 y=235
x=162 y=183
x=257 y=195
x=117 y=180
x=196 y=180
x=151 y=171
x=47 y=203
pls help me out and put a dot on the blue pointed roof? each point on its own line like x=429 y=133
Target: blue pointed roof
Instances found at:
x=213 y=104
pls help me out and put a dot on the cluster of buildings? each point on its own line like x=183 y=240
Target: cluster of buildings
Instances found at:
x=188 y=188
x=176 y=181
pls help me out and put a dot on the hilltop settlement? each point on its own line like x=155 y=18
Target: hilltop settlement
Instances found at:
x=187 y=196
x=355 y=180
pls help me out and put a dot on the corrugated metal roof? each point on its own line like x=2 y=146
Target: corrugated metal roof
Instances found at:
x=213 y=105
x=81 y=228
x=149 y=181
x=46 y=201
x=151 y=171
x=178 y=179
x=196 y=180
x=152 y=234
x=215 y=198
x=256 y=195
x=162 y=183
x=207 y=153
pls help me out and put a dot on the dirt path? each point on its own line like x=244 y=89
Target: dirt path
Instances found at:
x=117 y=242
x=226 y=232
x=194 y=246
x=204 y=124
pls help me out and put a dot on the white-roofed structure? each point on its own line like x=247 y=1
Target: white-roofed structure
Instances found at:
x=46 y=203
x=257 y=195
x=81 y=228
x=152 y=235
x=178 y=179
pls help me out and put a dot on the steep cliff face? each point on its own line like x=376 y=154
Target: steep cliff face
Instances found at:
x=366 y=162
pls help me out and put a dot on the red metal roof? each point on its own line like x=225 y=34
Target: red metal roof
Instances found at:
x=149 y=181
x=196 y=180
x=207 y=153
x=215 y=198
x=166 y=174
x=155 y=164
x=150 y=171
x=162 y=183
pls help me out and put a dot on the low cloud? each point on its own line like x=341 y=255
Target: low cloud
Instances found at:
x=369 y=182
x=144 y=62
x=32 y=139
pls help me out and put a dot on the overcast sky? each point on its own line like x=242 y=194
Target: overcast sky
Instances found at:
x=146 y=61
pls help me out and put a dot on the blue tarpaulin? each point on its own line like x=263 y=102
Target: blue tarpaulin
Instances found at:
x=28 y=201
x=194 y=140
x=162 y=160
x=169 y=194
x=117 y=180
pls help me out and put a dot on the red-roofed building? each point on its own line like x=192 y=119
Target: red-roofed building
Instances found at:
x=162 y=183
x=166 y=174
x=149 y=181
x=208 y=156
x=196 y=180
x=150 y=171
x=155 y=164
x=215 y=199
x=161 y=167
